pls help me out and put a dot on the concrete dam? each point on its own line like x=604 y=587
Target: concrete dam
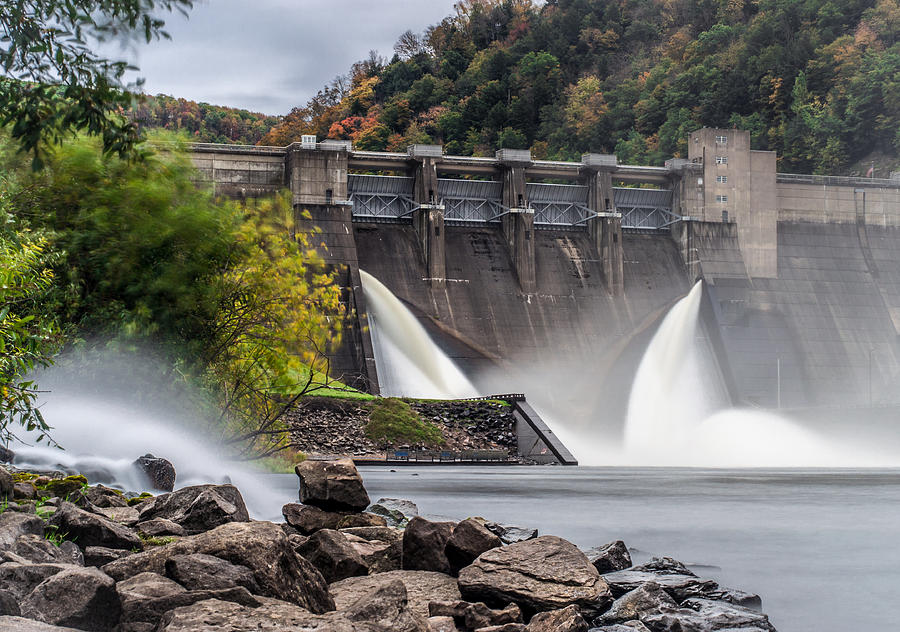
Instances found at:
x=552 y=277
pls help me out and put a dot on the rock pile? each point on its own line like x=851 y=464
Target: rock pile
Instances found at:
x=332 y=567
x=473 y=424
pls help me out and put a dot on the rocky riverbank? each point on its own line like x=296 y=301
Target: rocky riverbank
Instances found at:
x=192 y=560
x=332 y=426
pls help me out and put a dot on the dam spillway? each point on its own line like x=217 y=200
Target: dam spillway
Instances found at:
x=562 y=293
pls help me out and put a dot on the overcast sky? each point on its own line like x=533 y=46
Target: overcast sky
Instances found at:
x=271 y=55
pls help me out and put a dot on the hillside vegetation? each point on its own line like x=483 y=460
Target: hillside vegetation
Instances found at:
x=818 y=81
x=202 y=122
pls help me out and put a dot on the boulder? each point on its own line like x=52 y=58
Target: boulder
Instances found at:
x=9 y=605
x=6 y=455
x=77 y=597
x=442 y=624
x=422 y=587
x=423 y=545
x=24 y=491
x=736 y=597
x=510 y=534
x=7 y=485
x=648 y=598
x=14 y=524
x=92 y=530
x=260 y=546
x=18 y=624
x=386 y=606
x=102 y=496
x=703 y=615
x=205 y=572
x=159 y=527
x=364 y=519
x=379 y=556
x=331 y=553
x=610 y=557
x=198 y=508
x=20 y=578
x=664 y=566
x=679 y=586
x=472 y=616
x=332 y=485
x=37 y=549
x=308 y=519
x=128 y=516
x=506 y=627
x=101 y=555
x=547 y=573
x=146 y=597
x=631 y=626
x=159 y=473
x=396 y=511
x=468 y=540
x=567 y=619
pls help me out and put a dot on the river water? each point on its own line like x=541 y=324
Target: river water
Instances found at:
x=819 y=546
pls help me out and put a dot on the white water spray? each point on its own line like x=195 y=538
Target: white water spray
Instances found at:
x=409 y=363
x=675 y=417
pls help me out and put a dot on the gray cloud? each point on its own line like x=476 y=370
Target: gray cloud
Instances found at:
x=271 y=55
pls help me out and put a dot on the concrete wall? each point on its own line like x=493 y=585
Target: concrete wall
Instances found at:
x=812 y=199
x=240 y=171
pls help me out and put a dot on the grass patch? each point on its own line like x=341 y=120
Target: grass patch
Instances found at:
x=157 y=541
x=393 y=421
x=334 y=389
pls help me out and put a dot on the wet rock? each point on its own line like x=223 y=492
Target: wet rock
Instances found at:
x=424 y=542
x=567 y=619
x=648 y=598
x=92 y=530
x=198 y=508
x=396 y=511
x=159 y=527
x=330 y=552
x=24 y=491
x=100 y=555
x=736 y=597
x=422 y=587
x=146 y=597
x=14 y=524
x=19 y=624
x=205 y=572
x=664 y=566
x=679 y=587
x=703 y=615
x=610 y=557
x=7 y=484
x=509 y=534
x=6 y=455
x=547 y=573
x=468 y=540
x=102 y=496
x=77 y=597
x=159 y=473
x=332 y=485
x=260 y=546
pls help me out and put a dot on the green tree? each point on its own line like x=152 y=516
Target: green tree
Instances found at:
x=53 y=84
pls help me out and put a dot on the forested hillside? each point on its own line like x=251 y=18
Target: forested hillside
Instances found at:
x=203 y=123
x=818 y=81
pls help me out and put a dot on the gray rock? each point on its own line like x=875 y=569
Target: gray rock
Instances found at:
x=7 y=485
x=468 y=540
x=77 y=597
x=18 y=624
x=386 y=606
x=547 y=573
x=664 y=566
x=38 y=550
x=128 y=516
x=506 y=627
x=396 y=511
x=332 y=485
x=610 y=557
x=424 y=543
x=567 y=619
x=92 y=530
x=631 y=626
x=736 y=597
x=648 y=598
x=442 y=624
x=330 y=552
x=101 y=555
x=14 y=524
x=102 y=496
x=6 y=455
x=308 y=519
x=379 y=556
x=510 y=534
x=146 y=597
x=24 y=491
x=159 y=473
x=9 y=604
x=422 y=587
x=74 y=554
x=472 y=616
x=703 y=615
x=198 y=508
x=205 y=572
x=260 y=546
x=679 y=587
x=160 y=527
x=20 y=578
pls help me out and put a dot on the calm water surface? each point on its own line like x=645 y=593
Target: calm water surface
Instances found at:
x=820 y=546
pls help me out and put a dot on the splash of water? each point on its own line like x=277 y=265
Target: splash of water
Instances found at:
x=409 y=363
x=102 y=439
